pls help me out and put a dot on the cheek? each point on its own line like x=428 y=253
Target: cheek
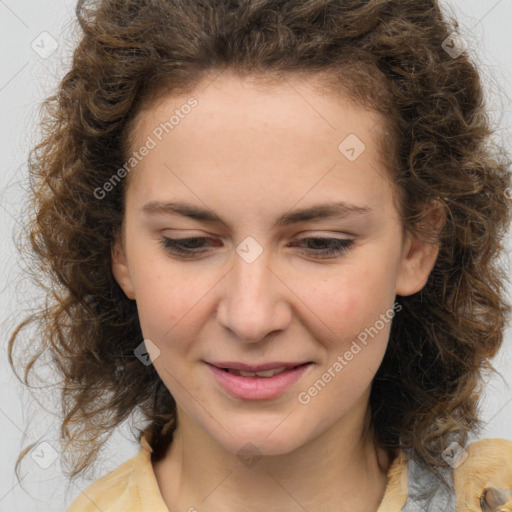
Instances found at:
x=162 y=297
x=171 y=303
x=351 y=300
x=163 y=307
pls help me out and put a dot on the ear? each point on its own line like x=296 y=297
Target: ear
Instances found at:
x=420 y=254
x=120 y=269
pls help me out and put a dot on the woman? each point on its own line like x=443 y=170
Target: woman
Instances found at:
x=274 y=228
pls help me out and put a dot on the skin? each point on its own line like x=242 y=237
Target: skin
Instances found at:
x=250 y=154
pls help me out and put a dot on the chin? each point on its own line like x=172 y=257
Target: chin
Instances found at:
x=261 y=442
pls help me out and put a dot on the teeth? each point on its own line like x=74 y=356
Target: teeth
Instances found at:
x=266 y=373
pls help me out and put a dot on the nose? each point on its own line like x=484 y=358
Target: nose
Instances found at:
x=254 y=300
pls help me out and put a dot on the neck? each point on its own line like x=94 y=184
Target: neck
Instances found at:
x=340 y=470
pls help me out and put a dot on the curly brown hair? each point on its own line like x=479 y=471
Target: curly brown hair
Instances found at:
x=389 y=56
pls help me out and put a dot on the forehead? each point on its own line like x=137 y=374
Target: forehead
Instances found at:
x=296 y=109
x=268 y=133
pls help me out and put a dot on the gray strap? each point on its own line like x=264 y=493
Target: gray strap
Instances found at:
x=426 y=493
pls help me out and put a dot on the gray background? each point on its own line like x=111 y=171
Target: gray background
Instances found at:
x=28 y=74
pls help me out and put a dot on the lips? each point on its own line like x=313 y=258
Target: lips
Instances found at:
x=253 y=368
x=262 y=373
x=262 y=386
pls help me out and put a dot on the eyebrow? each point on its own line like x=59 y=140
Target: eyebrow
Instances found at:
x=312 y=213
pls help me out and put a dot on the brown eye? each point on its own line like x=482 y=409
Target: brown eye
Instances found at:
x=326 y=247
x=184 y=246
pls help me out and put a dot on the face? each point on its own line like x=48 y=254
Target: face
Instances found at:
x=259 y=230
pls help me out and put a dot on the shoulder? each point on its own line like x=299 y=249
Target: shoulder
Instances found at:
x=484 y=464
x=131 y=486
x=104 y=493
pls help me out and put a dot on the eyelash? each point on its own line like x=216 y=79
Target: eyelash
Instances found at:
x=341 y=246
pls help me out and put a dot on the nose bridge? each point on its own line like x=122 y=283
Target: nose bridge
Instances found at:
x=250 y=300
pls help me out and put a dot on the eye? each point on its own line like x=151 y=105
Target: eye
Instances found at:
x=322 y=247
x=184 y=246
x=326 y=247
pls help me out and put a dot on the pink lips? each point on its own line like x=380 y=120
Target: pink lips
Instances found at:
x=258 y=388
x=255 y=367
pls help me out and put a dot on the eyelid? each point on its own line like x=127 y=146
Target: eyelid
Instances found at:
x=338 y=235
x=336 y=247
x=191 y=233
x=323 y=234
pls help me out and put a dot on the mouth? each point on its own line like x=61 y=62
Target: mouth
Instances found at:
x=263 y=373
x=263 y=384
x=266 y=370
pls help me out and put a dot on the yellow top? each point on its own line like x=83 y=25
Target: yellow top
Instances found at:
x=132 y=487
